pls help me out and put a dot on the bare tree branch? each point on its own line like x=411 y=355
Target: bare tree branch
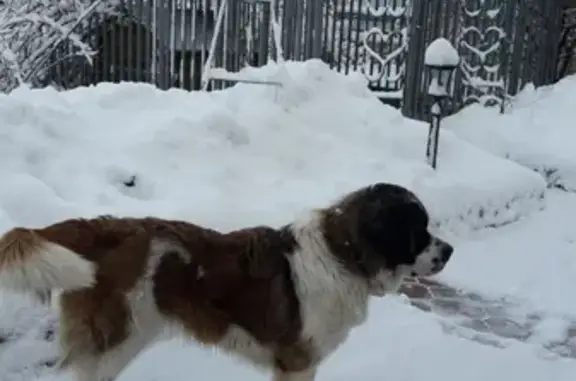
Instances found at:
x=32 y=30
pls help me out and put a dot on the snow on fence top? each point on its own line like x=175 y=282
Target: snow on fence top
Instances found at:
x=441 y=52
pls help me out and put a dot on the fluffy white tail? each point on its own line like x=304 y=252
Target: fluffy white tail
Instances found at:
x=30 y=263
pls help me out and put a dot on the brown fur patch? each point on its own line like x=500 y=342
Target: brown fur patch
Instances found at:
x=241 y=278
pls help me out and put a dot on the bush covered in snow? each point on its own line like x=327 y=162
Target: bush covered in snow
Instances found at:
x=31 y=30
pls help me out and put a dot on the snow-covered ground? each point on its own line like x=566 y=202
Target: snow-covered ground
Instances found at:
x=260 y=155
x=536 y=131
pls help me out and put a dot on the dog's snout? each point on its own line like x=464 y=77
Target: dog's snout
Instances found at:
x=446 y=252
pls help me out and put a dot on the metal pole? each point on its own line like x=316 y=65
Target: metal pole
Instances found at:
x=154 y=53
x=211 y=52
x=434 y=134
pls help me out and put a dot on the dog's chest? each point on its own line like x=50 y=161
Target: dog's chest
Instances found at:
x=334 y=313
x=328 y=318
x=332 y=301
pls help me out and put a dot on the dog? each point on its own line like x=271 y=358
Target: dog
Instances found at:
x=283 y=299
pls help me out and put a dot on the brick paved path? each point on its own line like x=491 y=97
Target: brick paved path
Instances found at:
x=486 y=320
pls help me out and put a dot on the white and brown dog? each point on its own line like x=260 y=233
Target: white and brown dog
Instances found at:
x=283 y=299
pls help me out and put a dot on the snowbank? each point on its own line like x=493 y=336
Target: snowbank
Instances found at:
x=247 y=155
x=537 y=131
x=250 y=154
x=535 y=258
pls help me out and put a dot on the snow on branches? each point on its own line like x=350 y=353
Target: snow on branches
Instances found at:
x=31 y=30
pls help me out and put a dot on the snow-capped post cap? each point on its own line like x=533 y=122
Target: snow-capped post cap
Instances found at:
x=441 y=53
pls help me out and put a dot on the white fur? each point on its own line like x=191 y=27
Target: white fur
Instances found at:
x=239 y=342
x=50 y=266
x=429 y=262
x=146 y=327
x=332 y=300
x=149 y=325
x=387 y=281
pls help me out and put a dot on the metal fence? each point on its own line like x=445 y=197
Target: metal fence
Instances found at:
x=504 y=44
x=567 y=46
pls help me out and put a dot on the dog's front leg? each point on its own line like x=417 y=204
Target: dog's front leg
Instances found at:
x=305 y=375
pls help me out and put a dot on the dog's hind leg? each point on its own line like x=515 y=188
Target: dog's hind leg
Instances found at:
x=144 y=326
x=85 y=369
x=113 y=362
x=106 y=366
x=97 y=343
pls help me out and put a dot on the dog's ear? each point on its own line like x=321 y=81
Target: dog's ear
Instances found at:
x=393 y=231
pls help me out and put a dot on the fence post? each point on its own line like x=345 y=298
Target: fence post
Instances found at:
x=539 y=39
x=264 y=32
x=414 y=58
x=555 y=22
x=317 y=48
x=162 y=26
x=288 y=28
x=514 y=83
x=550 y=39
x=154 y=47
x=505 y=52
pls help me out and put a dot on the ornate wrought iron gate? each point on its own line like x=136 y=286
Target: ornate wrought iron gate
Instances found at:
x=504 y=44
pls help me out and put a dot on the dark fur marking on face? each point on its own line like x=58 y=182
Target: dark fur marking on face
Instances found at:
x=379 y=227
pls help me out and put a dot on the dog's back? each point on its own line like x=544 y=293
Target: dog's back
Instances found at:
x=284 y=299
x=124 y=280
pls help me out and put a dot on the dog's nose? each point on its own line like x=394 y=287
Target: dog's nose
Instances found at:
x=446 y=252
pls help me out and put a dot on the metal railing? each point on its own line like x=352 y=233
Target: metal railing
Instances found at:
x=504 y=44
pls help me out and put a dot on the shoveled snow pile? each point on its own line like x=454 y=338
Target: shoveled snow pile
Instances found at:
x=538 y=131
x=253 y=155
x=256 y=151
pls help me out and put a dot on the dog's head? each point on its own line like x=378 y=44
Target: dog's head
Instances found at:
x=387 y=237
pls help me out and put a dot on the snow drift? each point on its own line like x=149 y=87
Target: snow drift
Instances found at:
x=249 y=155
x=537 y=131
x=259 y=154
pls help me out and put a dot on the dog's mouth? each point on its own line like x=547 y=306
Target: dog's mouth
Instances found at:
x=434 y=270
x=438 y=267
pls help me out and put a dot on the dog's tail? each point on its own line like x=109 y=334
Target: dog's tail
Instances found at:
x=31 y=263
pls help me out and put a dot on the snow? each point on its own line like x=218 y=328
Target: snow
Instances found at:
x=524 y=266
x=441 y=52
x=225 y=75
x=537 y=131
x=77 y=148
x=261 y=155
